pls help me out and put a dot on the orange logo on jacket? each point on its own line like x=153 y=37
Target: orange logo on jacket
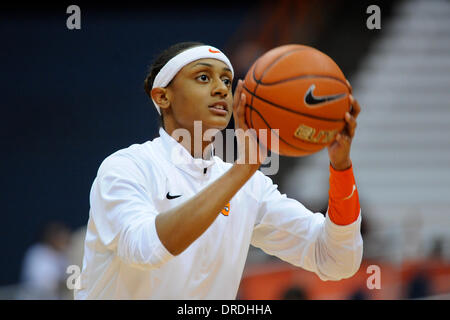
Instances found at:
x=226 y=210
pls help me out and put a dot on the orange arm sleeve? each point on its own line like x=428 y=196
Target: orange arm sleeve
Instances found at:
x=343 y=200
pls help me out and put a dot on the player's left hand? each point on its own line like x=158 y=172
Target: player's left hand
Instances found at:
x=339 y=149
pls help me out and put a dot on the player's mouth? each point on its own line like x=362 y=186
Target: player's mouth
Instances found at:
x=219 y=108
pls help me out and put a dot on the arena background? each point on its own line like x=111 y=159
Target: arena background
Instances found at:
x=69 y=98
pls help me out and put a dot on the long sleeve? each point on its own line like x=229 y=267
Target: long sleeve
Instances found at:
x=124 y=214
x=288 y=230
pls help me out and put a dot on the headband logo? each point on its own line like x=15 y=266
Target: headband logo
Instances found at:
x=213 y=51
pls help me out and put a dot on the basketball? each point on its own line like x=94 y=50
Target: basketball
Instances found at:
x=300 y=91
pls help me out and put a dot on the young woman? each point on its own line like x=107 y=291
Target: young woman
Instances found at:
x=167 y=222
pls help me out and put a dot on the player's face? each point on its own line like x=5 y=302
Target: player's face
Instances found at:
x=202 y=91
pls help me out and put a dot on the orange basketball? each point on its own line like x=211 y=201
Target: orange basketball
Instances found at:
x=300 y=91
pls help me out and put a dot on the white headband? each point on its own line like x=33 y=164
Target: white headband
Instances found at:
x=171 y=68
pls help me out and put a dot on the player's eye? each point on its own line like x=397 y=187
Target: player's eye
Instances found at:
x=203 y=78
x=227 y=82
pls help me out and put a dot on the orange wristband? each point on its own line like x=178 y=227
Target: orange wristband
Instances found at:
x=343 y=200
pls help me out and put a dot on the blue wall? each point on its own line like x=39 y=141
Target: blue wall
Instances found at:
x=71 y=98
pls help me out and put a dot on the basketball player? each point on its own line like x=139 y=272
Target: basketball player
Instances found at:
x=161 y=228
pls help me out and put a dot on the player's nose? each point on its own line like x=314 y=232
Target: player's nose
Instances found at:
x=219 y=88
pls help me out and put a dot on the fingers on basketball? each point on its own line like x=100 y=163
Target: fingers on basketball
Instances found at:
x=302 y=93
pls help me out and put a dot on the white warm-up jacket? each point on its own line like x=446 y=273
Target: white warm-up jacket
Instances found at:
x=125 y=259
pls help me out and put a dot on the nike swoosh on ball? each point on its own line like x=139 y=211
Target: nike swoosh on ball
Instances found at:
x=310 y=99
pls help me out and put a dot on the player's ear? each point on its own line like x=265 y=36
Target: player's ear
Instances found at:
x=160 y=95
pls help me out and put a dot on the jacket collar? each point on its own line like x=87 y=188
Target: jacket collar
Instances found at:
x=182 y=159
